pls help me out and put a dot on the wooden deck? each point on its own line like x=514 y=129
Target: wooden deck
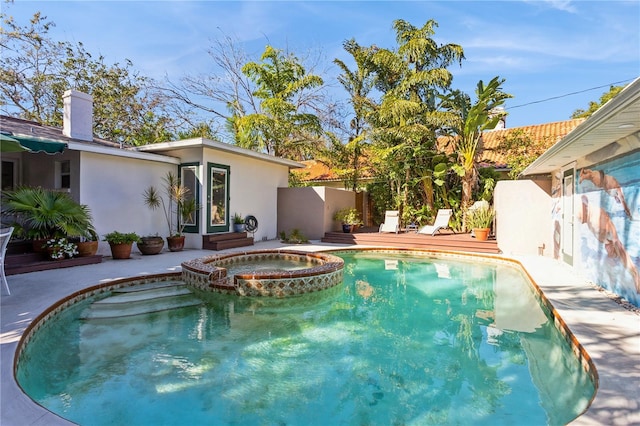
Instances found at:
x=445 y=240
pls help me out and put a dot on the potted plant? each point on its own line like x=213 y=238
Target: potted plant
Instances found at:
x=88 y=244
x=349 y=218
x=41 y=214
x=60 y=248
x=121 y=243
x=178 y=208
x=151 y=244
x=238 y=223
x=480 y=220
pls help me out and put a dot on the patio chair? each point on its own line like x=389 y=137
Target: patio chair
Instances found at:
x=441 y=222
x=391 y=222
x=5 y=236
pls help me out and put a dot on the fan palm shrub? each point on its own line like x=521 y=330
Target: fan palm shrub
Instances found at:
x=38 y=213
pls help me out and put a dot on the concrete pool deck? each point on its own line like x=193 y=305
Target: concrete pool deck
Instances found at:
x=609 y=332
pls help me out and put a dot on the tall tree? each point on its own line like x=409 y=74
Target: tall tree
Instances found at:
x=35 y=72
x=472 y=120
x=282 y=126
x=358 y=83
x=29 y=68
x=408 y=116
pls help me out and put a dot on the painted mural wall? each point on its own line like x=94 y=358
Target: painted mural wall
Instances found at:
x=608 y=224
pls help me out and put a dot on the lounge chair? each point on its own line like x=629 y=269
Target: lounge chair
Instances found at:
x=5 y=236
x=391 y=222
x=441 y=222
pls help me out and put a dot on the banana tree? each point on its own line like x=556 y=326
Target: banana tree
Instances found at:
x=473 y=119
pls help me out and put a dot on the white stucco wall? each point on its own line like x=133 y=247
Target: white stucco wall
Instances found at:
x=311 y=209
x=112 y=187
x=523 y=218
x=253 y=189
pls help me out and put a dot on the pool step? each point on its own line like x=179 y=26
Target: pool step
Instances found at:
x=140 y=300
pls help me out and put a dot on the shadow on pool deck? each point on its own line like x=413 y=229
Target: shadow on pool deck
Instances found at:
x=609 y=333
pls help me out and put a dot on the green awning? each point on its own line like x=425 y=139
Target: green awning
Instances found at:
x=40 y=145
x=9 y=144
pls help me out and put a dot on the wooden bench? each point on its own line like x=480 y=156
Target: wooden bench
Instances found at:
x=226 y=240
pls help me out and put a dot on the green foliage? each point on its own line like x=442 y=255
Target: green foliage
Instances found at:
x=238 y=219
x=116 y=237
x=594 y=106
x=521 y=150
x=346 y=159
x=295 y=237
x=348 y=216
x=35 y=71
x=59 y=248
x=180 y=205
x=41 y=213
x=481 y=217
x=280 y=127
x=472 y=120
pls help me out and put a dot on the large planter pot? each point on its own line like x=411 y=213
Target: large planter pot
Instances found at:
x=150 y=245
x=346 y=228
x=121 y=251
x=482 y=234
x=87 y=248
x=175 y=243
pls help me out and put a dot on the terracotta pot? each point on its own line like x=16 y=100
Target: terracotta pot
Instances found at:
x=482 y=234
x=87 y=248
x=175 y=243
x=121 y=251
x=150 y=245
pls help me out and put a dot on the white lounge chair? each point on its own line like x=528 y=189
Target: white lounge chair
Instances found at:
x=441 y=222
x=391 y=222
x=5 y=236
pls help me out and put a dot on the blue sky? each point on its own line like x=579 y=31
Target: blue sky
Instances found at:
x=544 y=49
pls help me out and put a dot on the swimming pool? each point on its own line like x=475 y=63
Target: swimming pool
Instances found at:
x=405 y=339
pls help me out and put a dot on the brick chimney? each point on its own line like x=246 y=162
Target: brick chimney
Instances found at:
x=78 y=115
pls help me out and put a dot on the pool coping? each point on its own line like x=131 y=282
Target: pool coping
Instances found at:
x=609 y=333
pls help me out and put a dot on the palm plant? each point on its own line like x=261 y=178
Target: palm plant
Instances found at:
x=473 y=119
x=404 y=124
x=39 y=213
x=179 y=207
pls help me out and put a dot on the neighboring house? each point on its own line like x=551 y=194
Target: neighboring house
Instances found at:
x=580 y=202
x=111 y=179
x=317 y=173
x=545 y=135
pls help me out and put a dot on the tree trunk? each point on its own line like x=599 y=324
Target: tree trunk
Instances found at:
x=467 y=188
x=427 y=188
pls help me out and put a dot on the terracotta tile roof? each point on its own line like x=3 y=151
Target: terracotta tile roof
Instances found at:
x=315 y=171
x=548 y=133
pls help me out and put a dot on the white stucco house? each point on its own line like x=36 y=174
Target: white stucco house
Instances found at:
x=579 y=202
x=110 y=179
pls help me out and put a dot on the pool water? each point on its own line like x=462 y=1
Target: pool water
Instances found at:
x=263 y=266
x=405 y=340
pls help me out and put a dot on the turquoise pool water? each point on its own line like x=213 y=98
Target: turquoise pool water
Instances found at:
x=405 y=340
